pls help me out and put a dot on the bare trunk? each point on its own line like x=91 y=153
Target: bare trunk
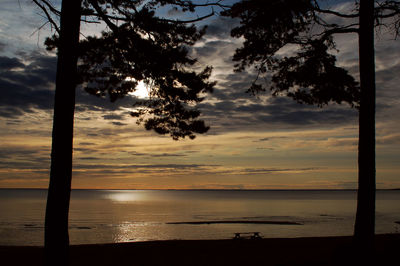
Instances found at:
x=365 y=219
x=56 y=221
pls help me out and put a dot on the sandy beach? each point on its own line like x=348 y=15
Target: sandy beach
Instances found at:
x=289 y=251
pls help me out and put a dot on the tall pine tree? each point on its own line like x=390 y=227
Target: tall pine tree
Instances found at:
x=311 y=76
x=138 y=46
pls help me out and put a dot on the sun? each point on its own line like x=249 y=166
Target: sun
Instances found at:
x=142 y=91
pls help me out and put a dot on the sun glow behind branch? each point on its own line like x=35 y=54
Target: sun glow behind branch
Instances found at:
x=142 y=91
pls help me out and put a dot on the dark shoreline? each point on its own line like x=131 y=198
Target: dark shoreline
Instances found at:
x=310 y=251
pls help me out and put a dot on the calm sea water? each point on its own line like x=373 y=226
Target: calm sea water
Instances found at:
x=107 y=216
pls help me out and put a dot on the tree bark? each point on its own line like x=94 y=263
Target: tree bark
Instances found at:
x=364 y=229
x=56 y=220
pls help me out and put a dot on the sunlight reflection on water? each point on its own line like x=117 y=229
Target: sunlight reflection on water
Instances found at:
x=127 y=232
x=105 y=216
x=122 y=196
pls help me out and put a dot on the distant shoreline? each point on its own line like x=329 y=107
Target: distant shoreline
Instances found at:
x=155 y=189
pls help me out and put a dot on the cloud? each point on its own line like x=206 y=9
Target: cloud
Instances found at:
x=85 y=150
x=22 y=158
x=113 y=117
x=7 y=63
x=2 y=46
x=186 y=171
x=174 y=12
x=261 y=171
x=86 y=102
x=89 y=158
x=216 y=186
x=86 y=143
x=229 y=100
x=30 y=86
x=392 y=139
x=168 y=155
x=265 y=148
x=275 y=112
x=26 y=85
x=118 y=124
x=156 y=155
x=270 y=138
x=150 y=169
x=221 y=27
x=229 y=108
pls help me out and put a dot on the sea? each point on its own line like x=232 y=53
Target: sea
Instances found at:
x=112 y=216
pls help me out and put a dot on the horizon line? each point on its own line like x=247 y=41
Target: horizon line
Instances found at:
x=212 y=189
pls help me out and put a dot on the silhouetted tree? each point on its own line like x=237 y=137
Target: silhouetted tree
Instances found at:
x=311 y=76
x=57 y=208
x=138 y=46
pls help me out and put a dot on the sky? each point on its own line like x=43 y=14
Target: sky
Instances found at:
x=259 y=142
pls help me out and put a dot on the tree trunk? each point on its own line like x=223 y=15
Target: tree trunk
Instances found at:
x=56 y=221
x=365 y=218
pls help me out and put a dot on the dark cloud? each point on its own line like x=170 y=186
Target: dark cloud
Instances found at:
x=86 y=143
x=88 y=158
x=7 y=63
x=221 y=27
x=2 y=46
x=174 y=12
x=85 y=150
x=168 y=155
x=27 y=83
x=261 y=140
x=92 y=134
x=270 y=138
x=310 y=117
x=202 y=169
x=87 y=102
x=258 y=171
x=275 y=112
x=113 y=117
x=118 y=124
x=155 y=155
x=26 y=86
x=389 y=140
x=234 y=86
x=143 y=166
x=220 y=48
x=14 y=152
x=18 y=157
x=139 y=154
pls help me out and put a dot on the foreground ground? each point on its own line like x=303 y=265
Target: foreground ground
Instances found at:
x=292 y=251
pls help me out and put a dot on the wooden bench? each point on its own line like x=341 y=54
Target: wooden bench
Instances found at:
x=250 y=235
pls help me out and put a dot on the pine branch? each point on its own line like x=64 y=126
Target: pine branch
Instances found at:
x=191 y=21
x=47 y=13
x=102 y=15
x=338 y=14
x=50 y=7
x=346 y=29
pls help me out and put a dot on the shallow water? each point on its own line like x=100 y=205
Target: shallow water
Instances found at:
x=106 y=216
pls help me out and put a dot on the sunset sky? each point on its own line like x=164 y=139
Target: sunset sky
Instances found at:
x=254 y=142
